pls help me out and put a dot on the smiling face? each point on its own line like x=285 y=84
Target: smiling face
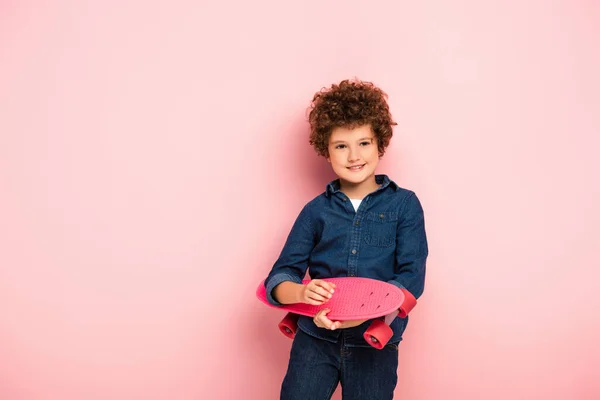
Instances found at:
x=354 y=155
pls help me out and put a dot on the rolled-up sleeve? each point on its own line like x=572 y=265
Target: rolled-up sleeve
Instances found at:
x=292 y=263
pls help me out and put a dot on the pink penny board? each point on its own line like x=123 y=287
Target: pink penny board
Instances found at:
x=353 y=299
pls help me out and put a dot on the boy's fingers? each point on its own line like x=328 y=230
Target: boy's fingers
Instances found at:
x=329 y=324
x=316 y=297
x=321 y=320
x=323 y=292
x=323 y=313
x=327 y=286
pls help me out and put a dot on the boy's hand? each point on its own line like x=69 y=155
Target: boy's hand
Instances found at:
x=322 y=321
x=316 y=292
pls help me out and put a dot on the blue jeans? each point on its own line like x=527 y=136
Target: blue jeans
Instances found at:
x=316 y=366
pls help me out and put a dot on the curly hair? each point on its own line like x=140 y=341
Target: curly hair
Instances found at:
x=349 y=104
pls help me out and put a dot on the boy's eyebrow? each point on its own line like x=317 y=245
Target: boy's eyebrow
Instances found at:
x=343 y=141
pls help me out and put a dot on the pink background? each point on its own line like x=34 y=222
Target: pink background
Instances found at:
x=153 y=156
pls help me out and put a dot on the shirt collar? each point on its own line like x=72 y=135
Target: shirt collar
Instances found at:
x=382 y=180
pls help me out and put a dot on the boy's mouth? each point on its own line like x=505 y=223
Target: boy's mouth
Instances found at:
x=356 y=167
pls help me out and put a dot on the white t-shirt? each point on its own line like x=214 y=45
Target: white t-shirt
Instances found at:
x=356 y=203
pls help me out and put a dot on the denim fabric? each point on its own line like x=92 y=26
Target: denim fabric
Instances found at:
x=384 y=239
x=316 y=366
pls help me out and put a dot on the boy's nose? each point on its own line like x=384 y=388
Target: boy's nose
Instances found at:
x=353 y=155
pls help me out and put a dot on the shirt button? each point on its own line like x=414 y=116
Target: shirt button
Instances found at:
x=357 y=223
x=343 y=199
x=353 y=251
x=351 y=274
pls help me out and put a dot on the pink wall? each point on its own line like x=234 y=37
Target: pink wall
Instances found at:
x=153 y=156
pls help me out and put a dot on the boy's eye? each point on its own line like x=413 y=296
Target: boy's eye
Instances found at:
x=365 y=143
x=340 y=146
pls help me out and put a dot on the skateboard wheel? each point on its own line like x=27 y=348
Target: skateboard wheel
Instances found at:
x=408 y=304
x=288 y=325
x=378 y=334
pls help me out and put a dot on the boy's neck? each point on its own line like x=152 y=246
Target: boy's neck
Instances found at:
x=360 y=190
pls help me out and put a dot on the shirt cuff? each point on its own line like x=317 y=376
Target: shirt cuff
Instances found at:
x=276 y=280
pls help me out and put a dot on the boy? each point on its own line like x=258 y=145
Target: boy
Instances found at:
x=362 y=225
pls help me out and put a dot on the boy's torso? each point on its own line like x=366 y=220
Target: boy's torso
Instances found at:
x=355 y=243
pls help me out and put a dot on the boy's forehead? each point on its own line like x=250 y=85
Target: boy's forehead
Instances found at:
x=350 y=133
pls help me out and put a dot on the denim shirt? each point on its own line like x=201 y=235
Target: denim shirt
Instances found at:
x=384 y=239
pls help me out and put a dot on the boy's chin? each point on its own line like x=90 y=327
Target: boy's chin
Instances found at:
x=355 y=180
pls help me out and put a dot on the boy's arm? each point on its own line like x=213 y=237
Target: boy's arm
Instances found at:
x=411 y=253
x=284 y=282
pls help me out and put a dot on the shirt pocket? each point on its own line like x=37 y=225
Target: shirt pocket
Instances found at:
x=380 y=228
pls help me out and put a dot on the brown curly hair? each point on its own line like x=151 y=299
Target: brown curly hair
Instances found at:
x=349 y=104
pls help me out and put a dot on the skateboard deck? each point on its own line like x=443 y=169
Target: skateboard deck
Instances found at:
x=354 y=298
